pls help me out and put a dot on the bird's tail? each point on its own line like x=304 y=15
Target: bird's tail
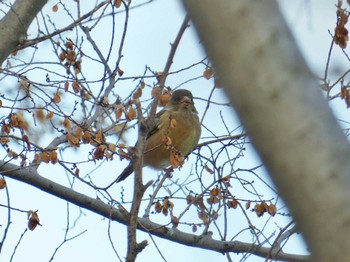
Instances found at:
x=126 y=172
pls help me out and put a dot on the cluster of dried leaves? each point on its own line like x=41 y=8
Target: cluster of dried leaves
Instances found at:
x=164 y=207
x=69 y=57
x=345 y=95
x=14 y=122
x=341 y=35
x=216 y=196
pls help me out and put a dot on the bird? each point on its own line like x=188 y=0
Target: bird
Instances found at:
x=176 y=130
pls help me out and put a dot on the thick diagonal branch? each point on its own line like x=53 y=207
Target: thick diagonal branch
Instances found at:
x=32 y=177
x=14 y=25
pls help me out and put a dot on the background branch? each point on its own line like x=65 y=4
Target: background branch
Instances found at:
x=31 y=177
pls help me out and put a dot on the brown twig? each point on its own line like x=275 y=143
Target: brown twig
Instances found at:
x=139 y=189
x=164 y=75
x=67 y=28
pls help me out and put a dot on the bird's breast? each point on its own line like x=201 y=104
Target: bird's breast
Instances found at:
x=183 y=129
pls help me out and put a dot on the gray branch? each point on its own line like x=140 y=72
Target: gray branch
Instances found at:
x=14 y=25
x=30 y=176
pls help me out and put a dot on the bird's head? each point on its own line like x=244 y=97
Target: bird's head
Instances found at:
x=182 y=99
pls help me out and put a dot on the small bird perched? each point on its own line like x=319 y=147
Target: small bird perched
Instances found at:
x=176 y=131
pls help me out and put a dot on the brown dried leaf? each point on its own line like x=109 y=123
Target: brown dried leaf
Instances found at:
x=76 y=87
x=208 y=169
x=259 y=210
x=12 y=154
x=86 y=137
x=158 y=207
x=166 y=142
x=194 y=228
x=49 y=115
x=232 y=204
x=175 y=220
x=142 y=84
x=341 y=35
x=214 y=215
x=100 y=152
x=215 y=192
x=208 y=73
x=166 y=202
x=57 y=98
x=40 y=115
x=66 y=86
x=69 y=45
x=212 y=200
x=55 y=8
x=26 y=140
x=131 y=114
x=62 y=56
x=53 y=157
x=165 y=211
x=155 y=91
x=100 y=137
x=33 y=220
x=164 y=98
x=264 y=205
x=45 y=157
x=137 y=94
x=272 y=210
x=189 y=199
x=117 y=3
x=5 y=128
x=112 y=147
x=77 y=67
x=72 y=140
x=120 y=71
x=66 y=123
x=204 y=217
x=2 y=183
x=176 y=159
x=71 y=56
x=119 y=113
x=79 y=133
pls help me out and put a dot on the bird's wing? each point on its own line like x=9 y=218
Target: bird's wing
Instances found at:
x=158 y=122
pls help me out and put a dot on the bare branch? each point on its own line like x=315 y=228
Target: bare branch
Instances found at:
x=14 y=25
x=31 y=177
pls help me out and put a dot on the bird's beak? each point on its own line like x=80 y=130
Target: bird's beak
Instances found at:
x=187 y=101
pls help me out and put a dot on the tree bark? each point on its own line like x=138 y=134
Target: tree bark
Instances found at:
x=14 y=25
x=288 y=120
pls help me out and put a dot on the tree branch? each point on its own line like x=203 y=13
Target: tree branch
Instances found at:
x=164 y=75
x=30 y=176
x=14 y=25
